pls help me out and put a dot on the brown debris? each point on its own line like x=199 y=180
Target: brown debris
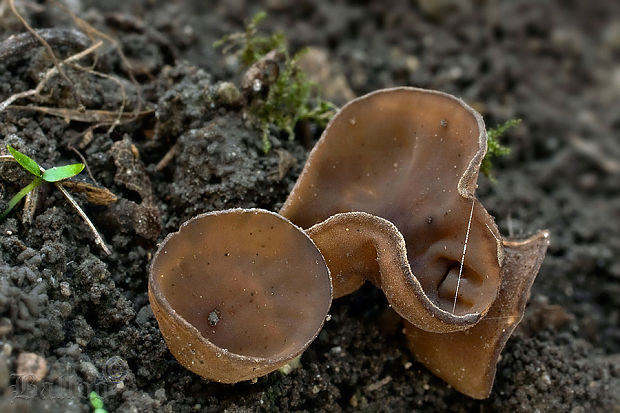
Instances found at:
x=6 y=326
x=259 y=77
x=131 y=173
x=239 y=293
x=377 y=385
x=31 y=368
x=94 y=194
x=286 y=161
x=167 y=158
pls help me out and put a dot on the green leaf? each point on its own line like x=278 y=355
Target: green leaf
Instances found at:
x=59 y=173
x=18 y=197
x=95 y=400
x=27 y=163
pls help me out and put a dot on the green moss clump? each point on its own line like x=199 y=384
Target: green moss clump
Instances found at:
x=494 y=147
x=291 y=97
x=251 y=46
x=289 y=101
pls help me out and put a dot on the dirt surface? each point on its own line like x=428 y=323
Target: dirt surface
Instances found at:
x=555 y=64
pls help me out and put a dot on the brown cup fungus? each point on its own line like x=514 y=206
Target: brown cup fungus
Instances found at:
x=238 y=294
x=411 y=157
x=387 y=194
x=468 y=359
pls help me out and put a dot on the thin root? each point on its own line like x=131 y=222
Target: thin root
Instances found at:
x=98 y=238
x=168 y=157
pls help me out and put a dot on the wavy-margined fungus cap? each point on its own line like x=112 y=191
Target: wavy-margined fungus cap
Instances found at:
x=467 y=360
x=239 y=293
x=409 y=157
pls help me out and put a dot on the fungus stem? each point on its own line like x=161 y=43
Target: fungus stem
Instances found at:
x=458 y=281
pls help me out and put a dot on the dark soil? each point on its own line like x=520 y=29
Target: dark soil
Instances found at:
x=555 y=64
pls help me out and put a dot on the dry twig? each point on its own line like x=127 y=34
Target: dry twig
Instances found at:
x=49 y=49
x=48 y=75
x=104 y=117
x=91 y=31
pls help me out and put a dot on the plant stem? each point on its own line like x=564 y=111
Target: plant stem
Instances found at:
x=18 y=196
x=98 y=239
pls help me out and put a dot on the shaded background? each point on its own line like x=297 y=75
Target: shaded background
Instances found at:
x=554 y=64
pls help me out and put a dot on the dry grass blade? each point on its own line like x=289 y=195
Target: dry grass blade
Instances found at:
x=87 y=115
x=48 y=48
x=91 y=31
x=121 y=109
x=102 y=118
x=48 y=75
x=98 y=239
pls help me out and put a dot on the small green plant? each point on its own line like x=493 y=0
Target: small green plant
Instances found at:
x=55 y=174
x=494 y=147
x=96 y=402
x=291 y=97
x=251 y=46
x=289 y=101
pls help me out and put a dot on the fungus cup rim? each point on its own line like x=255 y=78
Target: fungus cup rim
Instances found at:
x=182 y=323
x=467 y=182
x=458 y=322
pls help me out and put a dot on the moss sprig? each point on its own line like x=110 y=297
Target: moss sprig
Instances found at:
x=289 y=101
x=249 y=45
x=494 y=147
x=291 y=97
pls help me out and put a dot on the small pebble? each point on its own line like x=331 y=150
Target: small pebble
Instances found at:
x=7 y=349
x=65 y=290
x=31 y=367
x=227 y=93
x=5 y=326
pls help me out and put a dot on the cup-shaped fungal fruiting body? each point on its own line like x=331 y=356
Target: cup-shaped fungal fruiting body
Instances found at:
x=411 y=157
x=238 y=293
x=388 y=195
x=468 y=359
